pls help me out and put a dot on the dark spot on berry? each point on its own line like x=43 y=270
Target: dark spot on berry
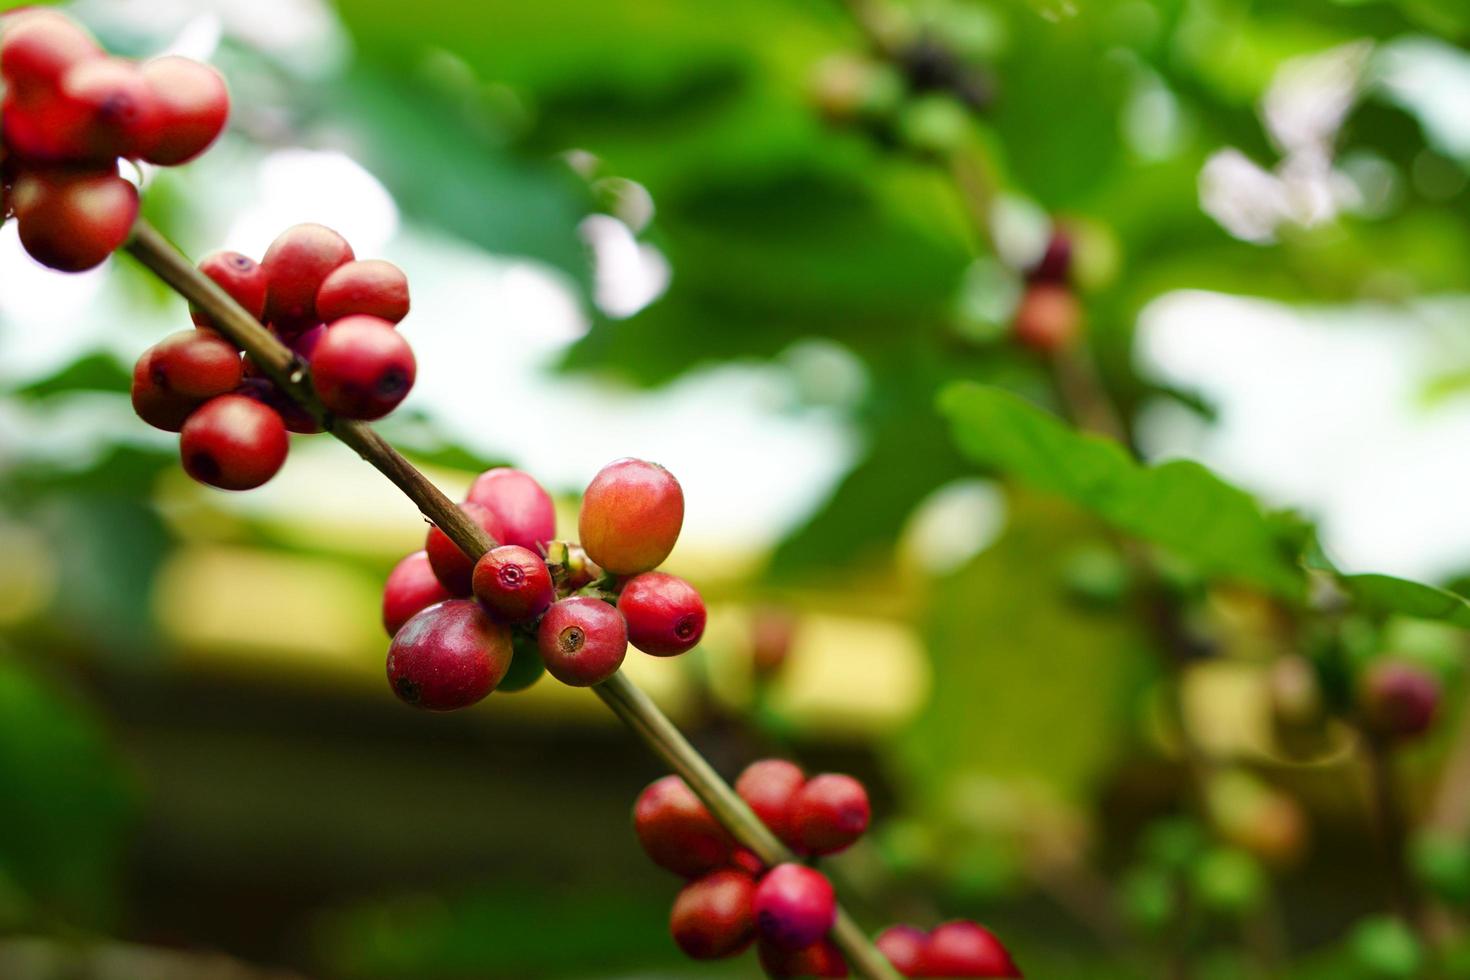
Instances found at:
x=684 y=628
x=512 y=576
x=407 y=690
x=392 y=381
x=571 y=639
x=242 y=262
x=204 y=467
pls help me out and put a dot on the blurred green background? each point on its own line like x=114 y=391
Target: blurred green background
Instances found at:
x=755 y=241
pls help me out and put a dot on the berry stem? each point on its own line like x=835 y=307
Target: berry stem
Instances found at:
x=633 y=707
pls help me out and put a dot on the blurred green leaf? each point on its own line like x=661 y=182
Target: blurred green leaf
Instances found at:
x=92 y=372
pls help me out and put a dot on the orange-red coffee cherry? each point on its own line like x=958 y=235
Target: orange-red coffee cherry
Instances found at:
x=829 y=813
x=966 y=949
x=513 y=583
x=524 y=509
x=370 y=286
x=1048 y=319
x=677 y=832
x=191 y=106
x=240 y=276
x=1399 y=699
x=448 y=656
x=712 y=917
x=411 y=588
x=904 y=947
x=296 y=265
x=454 y=568
x=194 y=363
x=769 y=787
x=821 y=959
x=665 y=614
x=794 y=906
x=159 y=407
x=631 y=516
x=72 y=221
x=583 y=641
x=233 y=442
x=362 y=368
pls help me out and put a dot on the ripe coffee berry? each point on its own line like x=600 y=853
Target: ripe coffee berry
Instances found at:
x=583 y=641
x=448 y=656
x=524 y=509
x=369 y=286
x=631 y=516
x=233 y=442
x=769 y=787
x=192 y=104
x=1048 y=318
x=820 y=959
x=526 y=667
x=362 y=368
x=411 y=588
x=712 y=916
x=794 y=906
x=512 y=583
x=37 y=46
x=159 y=407
x=72 y=221
x=454 y=568
x=744 y=859
x=264 y=390
x=904 y=946
x=829 y=813
x=1399 y=699
x=966 y=949
x=104 y=109
x=665 y=614
x=240 y=276
x=676 y=830
x=194 y=363
x=296 y=265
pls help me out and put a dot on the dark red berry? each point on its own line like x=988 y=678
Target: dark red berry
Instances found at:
x=1055 y=264
x=1048 y=318
x=904 y=946
x=665 y=613
x=821 y=959
x=369 y=286
x=411 y=588
x=631 y=516
x=156 y=405
x=362 y=368
x=266 y=392
x=1399 y=699
x=195 y=363
x=38 y=46
x=524 y=508
x=192 y=106
x=454 y=568
x=769 y=787
x=583 y=641
x=966 y=949
x=296 y=265
x=73 y=221
x=240 y=276
x=512 y=583
x=677 y=831
x=526 y=668
x=794 y=906
x=105 y=109
x=233 y=442
x=448 y=656
x=829 y=813
x=712 y=917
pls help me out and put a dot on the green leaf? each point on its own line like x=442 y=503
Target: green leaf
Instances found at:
x=1180 y=505
x=94 y=372
x=1396 y=596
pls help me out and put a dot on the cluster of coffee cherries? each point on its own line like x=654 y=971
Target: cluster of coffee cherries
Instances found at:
x=732 y=900
x=463 y=627
x=69 y=113
x=337 y=313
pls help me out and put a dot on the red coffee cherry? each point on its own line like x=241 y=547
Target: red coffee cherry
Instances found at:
x=746 y=860
x=512 y=583
x=676 y=830
x=966 y=949
x=240 y=276
x=794 y=906
x=362 y=368
x=829 y=813
x=369 y=286
x=631 y=516
x=524 y=508
x=583 y=641
x=454 y=568
x=104 y=109
x=410 y=589
x=769 y=787
x=71 y=221
x=665 y=613
x=1399 y=699
x=296 y=265
x=448 y=656
x=159 y=407
x=264 y=390
x=38 y=46
x=904 y=946
x=712 y=918
x=195 y=363
x=526 y=667
x=192 y=106
x=1048 y=319
x=233 y=442
x=821 y=959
